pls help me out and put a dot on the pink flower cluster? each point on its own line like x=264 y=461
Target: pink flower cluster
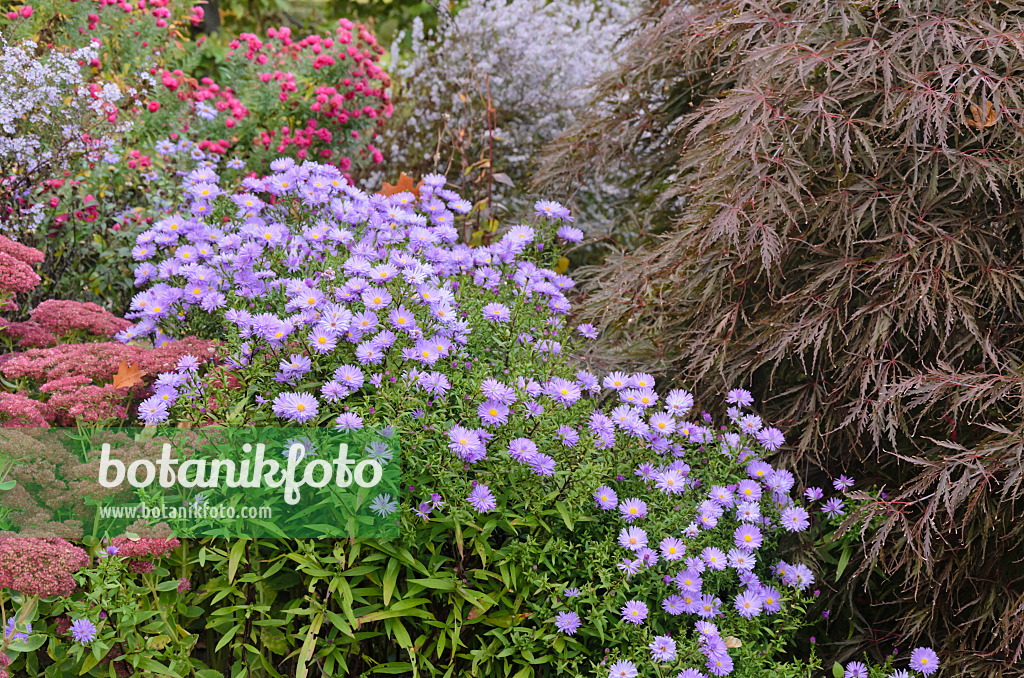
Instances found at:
x=142 y=552
x=74 y=377
x=17 y=410
x=16 y=274
x=42 y=567
x=64 y=317
x=28 y=334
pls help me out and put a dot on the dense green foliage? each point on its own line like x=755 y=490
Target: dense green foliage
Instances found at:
x=842 y=187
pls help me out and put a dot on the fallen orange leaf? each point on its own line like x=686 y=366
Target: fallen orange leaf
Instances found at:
x=981 y=120
x=127 y=375
x=405 y=183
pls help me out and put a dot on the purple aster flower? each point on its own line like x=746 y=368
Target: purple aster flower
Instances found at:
x=522 y=449
x=493 y=413
x=606 y=498
x=633 y=509
x=924 y=660
x=497 y=313
x=759 y=470
x=771 y=599
x=563 y=391
x=855 y=670
x=739 y=396
x=349 y=376
x=348 y=421
x=567 y=622
x=750 y=424
x=572 y=592
x=672 y=548
x=689 y=581
x=771 y=438
x=632 y=538
x=720 y=665
x=663 y=423
x=748 y=490
x=629 y=566
x=542 y=465
x=295 y=366
x=435 y=383
x=153 y=410
x=493 y=389
x=674 y=604
x=663 y=648
x=83 y=631
x=634 y=612
x=322 y=341
x=618 y=381
x=721 y=495
x=466 y=444
x=813 y=493
x=833 y=507
x=795 y=519
x=670 y=482
x=709 y=606
x=187 y=363
x=842 y=483
x=623 y=669
x=568 y=435
x=481 y=499
x=587 y=330
x=298 y=407
x=748 y=604
x=747 y=537
x=11 y=631
x=715 y=558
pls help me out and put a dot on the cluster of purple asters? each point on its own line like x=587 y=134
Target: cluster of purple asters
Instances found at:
x=324 y=295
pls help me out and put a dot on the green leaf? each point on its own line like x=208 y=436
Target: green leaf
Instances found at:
x=564 y=513
x=237 y=551
x=34 y=642
x=837 y=670
x=844 y=560
x=390 y=578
